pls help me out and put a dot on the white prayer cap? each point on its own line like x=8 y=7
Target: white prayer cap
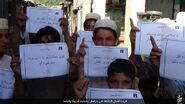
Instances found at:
x=106 y=23
x=92 y=16
x=3 y=23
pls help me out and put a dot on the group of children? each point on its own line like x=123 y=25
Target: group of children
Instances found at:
x=133 y=73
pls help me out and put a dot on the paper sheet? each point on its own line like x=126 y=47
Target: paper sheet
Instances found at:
x=88 y=38
x=39 y=17
x=98 y=93
x=159 y=31
x=43 y=60
x=172 y=62
x=98 y=58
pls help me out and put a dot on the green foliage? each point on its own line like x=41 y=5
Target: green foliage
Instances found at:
x=48 y=2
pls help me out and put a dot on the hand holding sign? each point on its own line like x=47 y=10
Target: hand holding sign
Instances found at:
x=73 y=40
x=80 y=87
x=70 y=41
x=81 y=54
x=88 y=38
x=155 y=53
x=77 y=62
x=133 y=31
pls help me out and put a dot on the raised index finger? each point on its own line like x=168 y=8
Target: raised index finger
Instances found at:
x=153 y=42
x=131 y=22
x=83 y=41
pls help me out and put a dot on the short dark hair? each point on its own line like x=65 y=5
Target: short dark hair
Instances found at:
x=106 y=28
x=121 y=66
x=48 y=30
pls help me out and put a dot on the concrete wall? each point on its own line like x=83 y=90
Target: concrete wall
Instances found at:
x=99 y=7
x=86 y=4
x=132 y=7
x=165 y=6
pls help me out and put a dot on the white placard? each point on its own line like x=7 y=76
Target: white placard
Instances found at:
x=39 y=17
x=7 y=81
x=88 y=38
x=159 y=31
x=98 y=58
x=99 y=93
x=43 y=60
x=172 y=62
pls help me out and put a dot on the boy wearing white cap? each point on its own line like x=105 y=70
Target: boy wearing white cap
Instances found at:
x=90 y=20
x=105 y=33
x=89 y=24
x=7 y=74
x=4 y=40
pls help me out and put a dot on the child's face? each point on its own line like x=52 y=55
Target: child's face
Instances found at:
x=4 y=40
x=120 y=81
x=47 y=39
x=89 y=26
x=104 y=38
